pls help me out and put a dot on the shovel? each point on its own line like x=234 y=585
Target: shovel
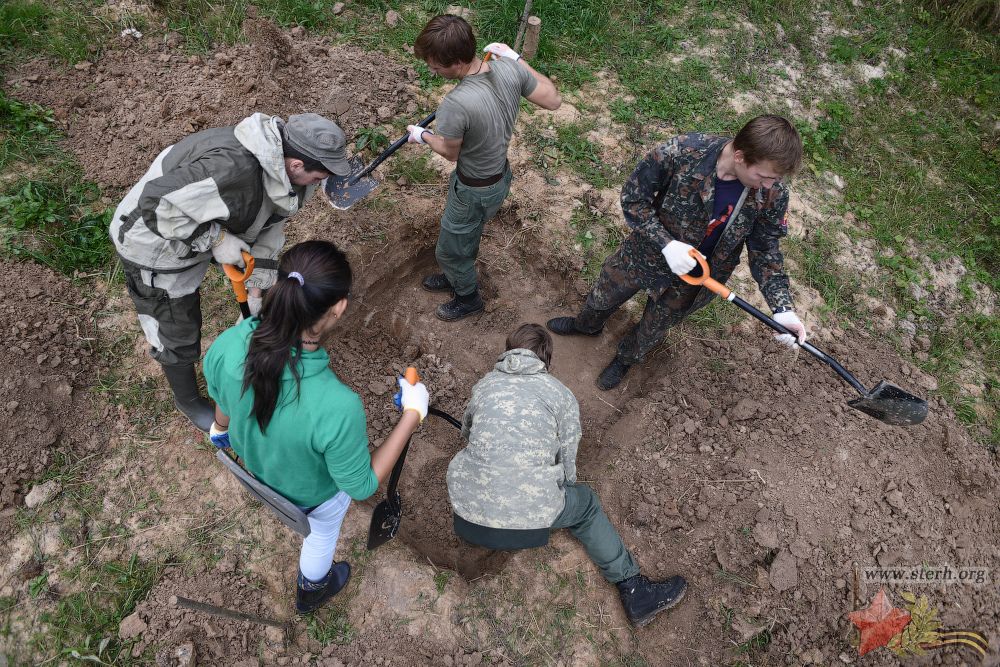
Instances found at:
x=886 y=402
x=345 y=191
x=387 y=514
x=238 y=278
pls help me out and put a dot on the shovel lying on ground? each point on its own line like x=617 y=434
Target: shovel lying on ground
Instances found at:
x=388 y=513
x=345 y=191
x=886 y=402
x=238 y=278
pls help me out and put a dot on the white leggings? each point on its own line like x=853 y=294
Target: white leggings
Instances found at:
x=318 y=548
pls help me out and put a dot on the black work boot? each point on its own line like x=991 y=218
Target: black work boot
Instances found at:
x=311 y=595
x=436 y=282
x=184 y=385
x=612 y=376
x=643 y=599
x=566 y=326
x=460 y=306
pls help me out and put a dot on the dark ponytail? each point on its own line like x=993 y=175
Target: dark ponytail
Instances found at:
x=312 y=277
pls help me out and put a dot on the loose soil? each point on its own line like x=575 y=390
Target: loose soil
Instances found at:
x=721 y=458
x=51 y=361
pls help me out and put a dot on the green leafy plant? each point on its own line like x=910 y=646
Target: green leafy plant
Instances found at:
x=371 y=138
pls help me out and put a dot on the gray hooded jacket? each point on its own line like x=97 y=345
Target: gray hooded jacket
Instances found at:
x=230 y=178
x=523 y=429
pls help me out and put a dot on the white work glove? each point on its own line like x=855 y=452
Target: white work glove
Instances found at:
x=219 y=436
x=501 y=50
x=678 y=259
x=413 y=397
x=790 y=321
x=417 y=134
x=229 y=248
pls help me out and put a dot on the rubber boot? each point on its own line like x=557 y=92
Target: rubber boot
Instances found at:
x=311 y=595
x=436 y=282
x=644 y=599
x=566 y=326
x=460 y=306
x=612 y=376
x=184 y=384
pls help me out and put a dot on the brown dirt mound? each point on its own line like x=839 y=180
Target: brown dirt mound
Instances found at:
x=49 y=355
x=138 y=99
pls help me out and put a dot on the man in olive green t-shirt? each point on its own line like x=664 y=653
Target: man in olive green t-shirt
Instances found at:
x=474 y=125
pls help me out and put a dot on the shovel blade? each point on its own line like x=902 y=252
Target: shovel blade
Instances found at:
x=343 y=193
x=385 y=522
x=892 y=405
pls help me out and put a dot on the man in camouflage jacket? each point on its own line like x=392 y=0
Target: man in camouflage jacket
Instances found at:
x=670 y=202
x=516 y=479
x=211 y=196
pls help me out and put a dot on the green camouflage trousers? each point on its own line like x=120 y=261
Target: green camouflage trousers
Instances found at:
x=466 y=212
x=624 y=273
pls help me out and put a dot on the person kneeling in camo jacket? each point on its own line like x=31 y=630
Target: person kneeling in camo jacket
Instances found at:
x=213 y=196
x=516 y=480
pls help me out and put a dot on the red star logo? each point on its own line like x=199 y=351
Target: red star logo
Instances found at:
x=879 y=623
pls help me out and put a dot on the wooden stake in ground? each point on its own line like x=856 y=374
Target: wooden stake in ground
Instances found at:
x=531 y=35
x=521 y=25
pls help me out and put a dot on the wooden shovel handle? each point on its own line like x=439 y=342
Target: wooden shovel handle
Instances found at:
x=705 y=279
x=238 y=278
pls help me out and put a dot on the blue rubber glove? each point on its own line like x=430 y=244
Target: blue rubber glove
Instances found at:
x=219 y=436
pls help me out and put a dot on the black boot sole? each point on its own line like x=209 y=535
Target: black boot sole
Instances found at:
x=648 y=618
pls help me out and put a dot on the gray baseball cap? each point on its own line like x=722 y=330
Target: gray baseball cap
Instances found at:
x=320 y=139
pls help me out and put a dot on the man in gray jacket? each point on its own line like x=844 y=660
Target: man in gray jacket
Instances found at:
x=516 y=480
x=213 y=196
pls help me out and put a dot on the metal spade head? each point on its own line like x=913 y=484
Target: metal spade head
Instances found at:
x=385 y=521
x=345 y=191
x=890 y=404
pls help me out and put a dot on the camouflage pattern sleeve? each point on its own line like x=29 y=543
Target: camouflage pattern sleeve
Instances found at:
x=639 y=194
x=767 y=265
x=570 y=433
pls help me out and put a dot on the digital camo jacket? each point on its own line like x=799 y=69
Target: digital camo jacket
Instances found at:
x=523 y=428
x=670 y=196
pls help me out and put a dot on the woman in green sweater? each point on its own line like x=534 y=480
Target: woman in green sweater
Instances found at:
x=297 y=427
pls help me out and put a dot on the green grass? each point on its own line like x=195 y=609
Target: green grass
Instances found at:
x=50 y=214
x=567 y=145
x=331 y=625
x=86 y=623
x=416 y=168
x=62 y=29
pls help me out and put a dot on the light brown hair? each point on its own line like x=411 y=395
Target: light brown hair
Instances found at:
x=772 y=138
x=446 y=40
x=532 y=337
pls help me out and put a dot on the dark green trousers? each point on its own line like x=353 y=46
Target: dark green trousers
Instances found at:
x=466 y=212
x=586 y=520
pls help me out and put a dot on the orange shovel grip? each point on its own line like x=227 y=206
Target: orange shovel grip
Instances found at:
x=238 y=278
x=411 y=375
x=705 y=279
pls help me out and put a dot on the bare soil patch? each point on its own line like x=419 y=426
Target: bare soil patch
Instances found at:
x=49 y=353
